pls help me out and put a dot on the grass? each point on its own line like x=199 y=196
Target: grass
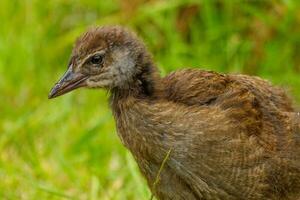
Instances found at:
x=68 y=148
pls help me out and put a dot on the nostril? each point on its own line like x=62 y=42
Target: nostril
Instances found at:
x=68 y=76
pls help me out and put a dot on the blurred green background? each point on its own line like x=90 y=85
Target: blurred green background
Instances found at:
x=67 y=148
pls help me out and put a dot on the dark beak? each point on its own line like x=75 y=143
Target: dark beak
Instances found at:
x=69 y=81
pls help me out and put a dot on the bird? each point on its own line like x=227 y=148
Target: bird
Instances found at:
x=195 y=134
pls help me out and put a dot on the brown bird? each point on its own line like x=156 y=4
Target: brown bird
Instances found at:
x=229 y=136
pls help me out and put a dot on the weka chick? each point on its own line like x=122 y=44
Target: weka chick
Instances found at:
x=230 y=136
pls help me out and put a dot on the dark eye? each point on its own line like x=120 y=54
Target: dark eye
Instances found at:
x=96 y=59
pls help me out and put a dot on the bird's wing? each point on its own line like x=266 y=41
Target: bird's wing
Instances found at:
x=251 y=102
x=199 y=87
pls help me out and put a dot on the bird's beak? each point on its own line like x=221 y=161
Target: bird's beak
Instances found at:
x=68 y=82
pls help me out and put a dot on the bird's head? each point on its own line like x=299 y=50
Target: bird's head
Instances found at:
x=104 y=57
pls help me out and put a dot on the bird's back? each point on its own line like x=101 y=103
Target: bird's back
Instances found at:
x=200 y=87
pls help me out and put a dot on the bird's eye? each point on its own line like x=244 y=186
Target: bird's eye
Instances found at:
x=96 y=59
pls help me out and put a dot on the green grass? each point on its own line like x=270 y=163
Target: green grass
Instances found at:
x=68 y=148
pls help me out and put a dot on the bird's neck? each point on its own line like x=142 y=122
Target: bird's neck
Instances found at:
x=145 y=85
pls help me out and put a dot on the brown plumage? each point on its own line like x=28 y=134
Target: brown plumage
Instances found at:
x=231 y=136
